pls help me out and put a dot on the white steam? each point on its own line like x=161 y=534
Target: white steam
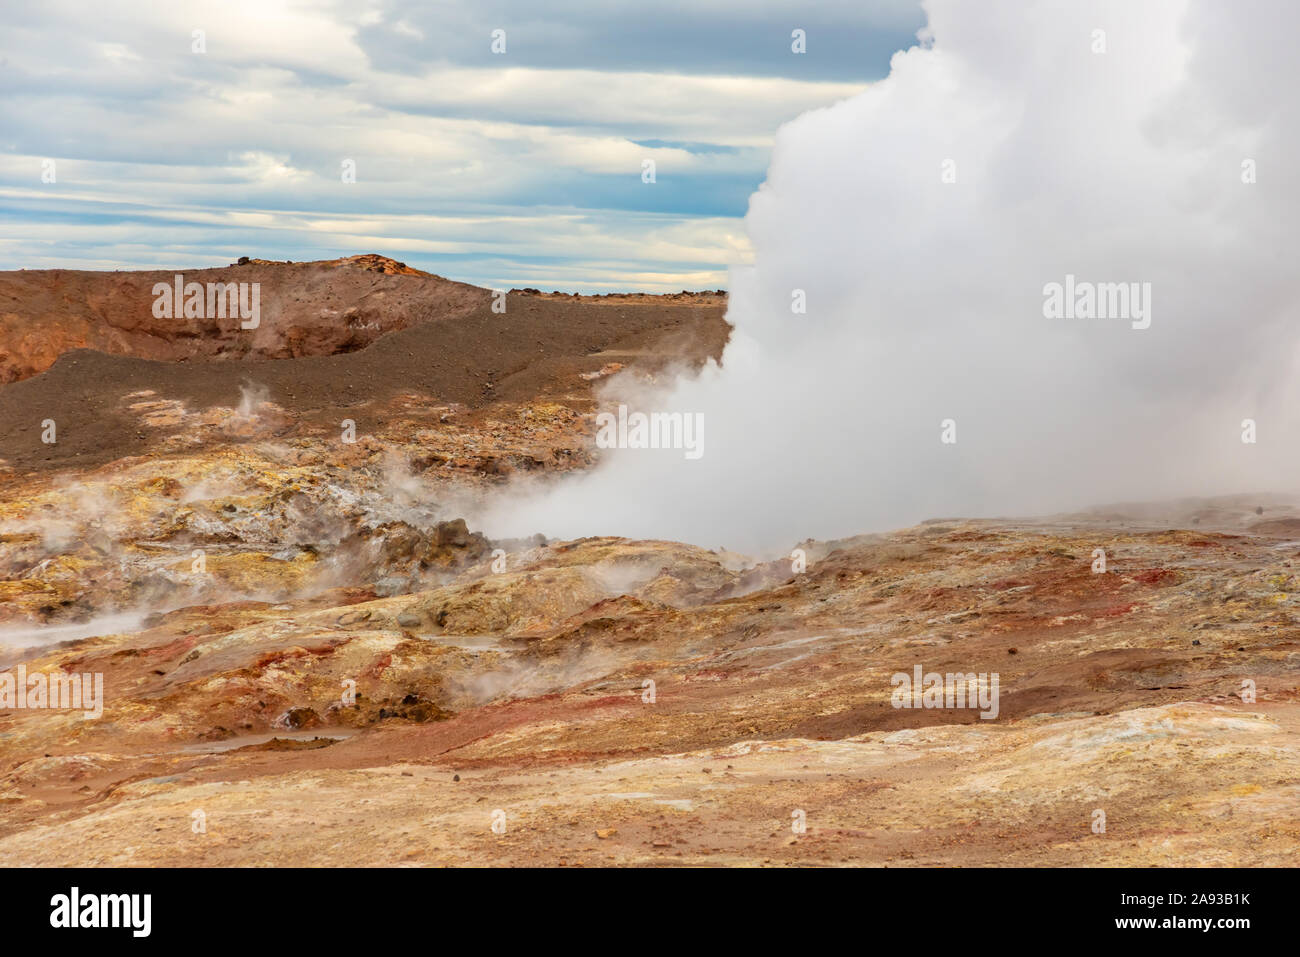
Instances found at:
x=252 y=396
x=925 y=298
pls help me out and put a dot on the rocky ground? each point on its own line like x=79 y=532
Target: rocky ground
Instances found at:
x=310 y=658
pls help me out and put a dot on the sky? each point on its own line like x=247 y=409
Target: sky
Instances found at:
x=124 y=146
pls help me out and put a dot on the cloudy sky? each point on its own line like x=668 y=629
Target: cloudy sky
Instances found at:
x=521 y=168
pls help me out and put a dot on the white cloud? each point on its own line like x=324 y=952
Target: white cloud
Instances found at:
x=188 y=150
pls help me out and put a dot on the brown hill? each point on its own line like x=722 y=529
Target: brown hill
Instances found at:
x=306 y=309
x=541 y=346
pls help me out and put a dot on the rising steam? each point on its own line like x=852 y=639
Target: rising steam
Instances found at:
x=925 y=298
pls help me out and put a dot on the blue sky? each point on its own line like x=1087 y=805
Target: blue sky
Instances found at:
x=521 y=168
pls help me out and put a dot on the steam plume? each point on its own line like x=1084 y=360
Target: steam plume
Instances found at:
x=925 y=298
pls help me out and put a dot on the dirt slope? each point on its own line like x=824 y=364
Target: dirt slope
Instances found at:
x=307 y=309
x=538 y=347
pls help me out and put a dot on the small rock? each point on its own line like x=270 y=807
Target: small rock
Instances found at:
x=296 y=718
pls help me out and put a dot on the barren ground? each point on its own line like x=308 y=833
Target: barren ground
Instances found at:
x=233 y=567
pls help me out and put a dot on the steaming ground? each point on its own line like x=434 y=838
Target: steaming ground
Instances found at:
x=622 y=701
x=336 y=669
x=925 y=299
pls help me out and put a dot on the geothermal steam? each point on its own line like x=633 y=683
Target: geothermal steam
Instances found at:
x=925 y=298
